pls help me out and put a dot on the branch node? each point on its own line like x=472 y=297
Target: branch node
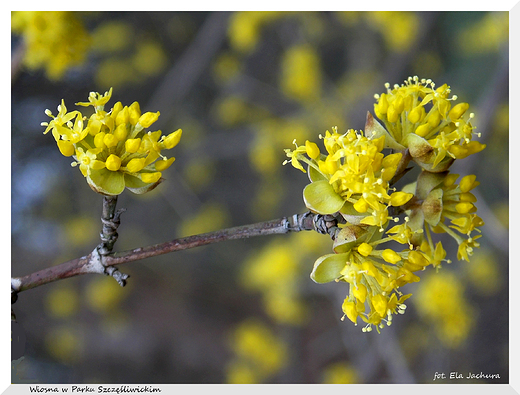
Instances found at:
x=327 y=224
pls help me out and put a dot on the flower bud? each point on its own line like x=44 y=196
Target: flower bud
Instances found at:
x=99 y=140
x=148 y=118
x=110 y=140
x=135 y=165
x=66 y=147
x=134 y=113
x=417 y=114
x=360 y=292
x=457 y=111
x=467 y=183
x=123 y=116
x=132 y=145
x=113 y=162
x=380 y=303
x=349 y=308
x=121 y=132
x=400 y=198
x=423 y=130
x=172 y=139
x=391 y=256
x=162 y=165
x=150 y=178
x=365 y=249
x=312 y=149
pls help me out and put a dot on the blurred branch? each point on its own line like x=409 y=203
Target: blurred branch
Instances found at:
x=96 y=262
x=499 y=235
x=17 y=60
x=184 y=74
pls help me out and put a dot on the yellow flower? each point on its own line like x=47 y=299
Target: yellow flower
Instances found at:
x=112 y=149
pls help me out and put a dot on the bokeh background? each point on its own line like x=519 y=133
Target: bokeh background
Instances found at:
x=243 y=86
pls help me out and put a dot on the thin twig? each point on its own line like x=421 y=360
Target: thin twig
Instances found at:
x=110 y=219
x=95 y=263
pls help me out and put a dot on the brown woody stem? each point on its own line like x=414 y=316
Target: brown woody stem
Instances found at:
x=95 y=263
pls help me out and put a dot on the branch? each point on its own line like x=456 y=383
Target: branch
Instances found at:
x=110 y=220
x=95 y=262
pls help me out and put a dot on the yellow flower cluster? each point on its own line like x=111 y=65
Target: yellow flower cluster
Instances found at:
x=441 y=199
x=112 y=148
x=353 y=181
x=54 y=40
x=353 y=178
x=420 y=118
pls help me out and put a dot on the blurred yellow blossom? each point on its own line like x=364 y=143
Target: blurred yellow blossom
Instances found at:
x=440 y=300
x=484 y=272
x=285 y=305
x=349 y=18
x=501 y=211
x=63 y=343
x=226 y=67
x=489 y=34
x=398 y=28
x=115 y=72
x=200 y=173
x=340 y=373
x=211 y=216
x=112 y=36
x=245 y=28
x=272 y=135
x=276 y=272
x=232 y=110
x=62 y=301
x=103 y=294
x=301 y=73
x=255 y=345
x=242 y=372
x=149 y=58
x=274 y=264
x=80 y=231
x=54 y=40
